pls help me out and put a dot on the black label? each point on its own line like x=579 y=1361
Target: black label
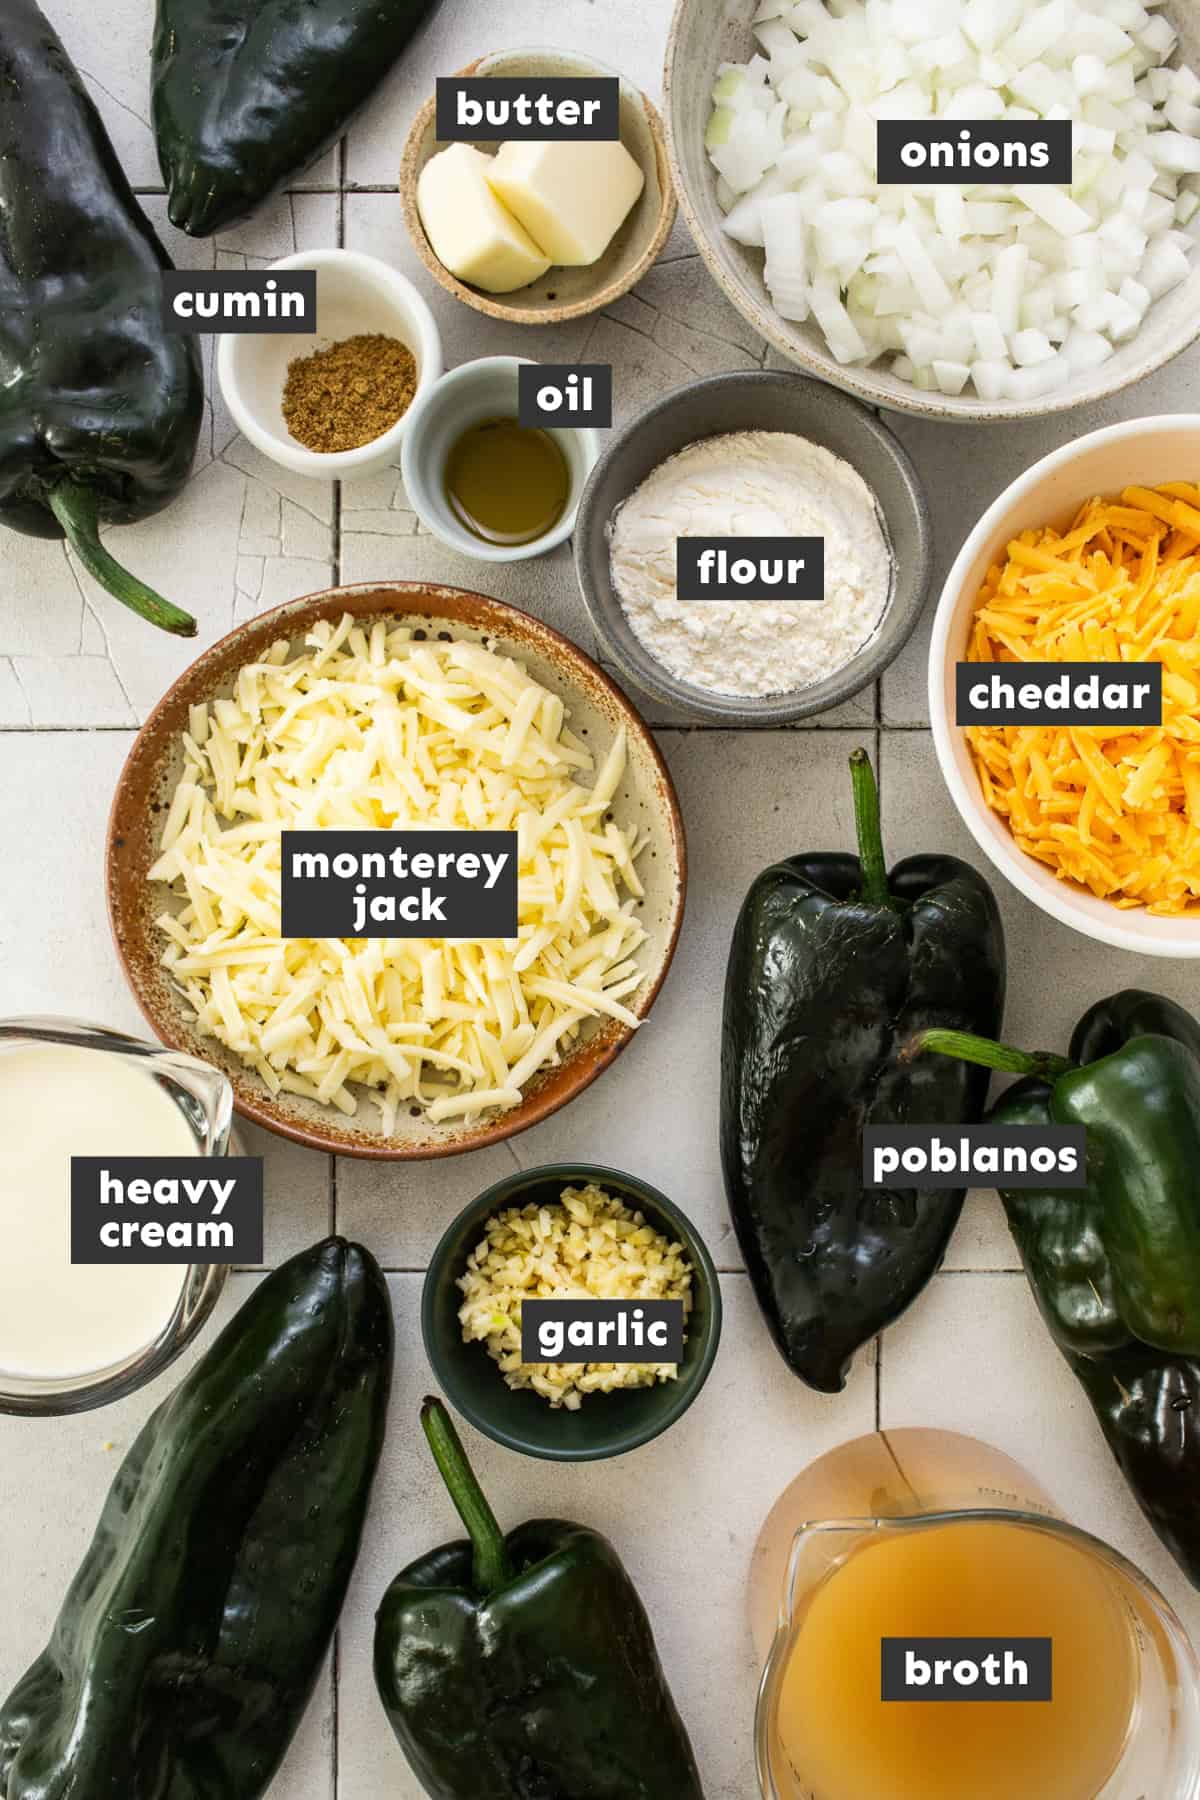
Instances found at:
x=166 y=1209
x=616 y=1331
x=481 y=109
x=239 y=300
x=966 y=1669
x=1077 y=693
x=565 y=394
x=399 y=884
x=974 y=152
x=951 y=1156
x=750 y=568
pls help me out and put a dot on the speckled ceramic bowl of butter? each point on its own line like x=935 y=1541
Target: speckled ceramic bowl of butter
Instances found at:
x=560 y=293
x=764 y=400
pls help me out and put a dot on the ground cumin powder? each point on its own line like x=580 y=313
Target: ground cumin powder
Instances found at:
x=342 y=397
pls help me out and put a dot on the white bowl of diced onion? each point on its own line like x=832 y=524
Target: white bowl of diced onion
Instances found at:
x=924 y=299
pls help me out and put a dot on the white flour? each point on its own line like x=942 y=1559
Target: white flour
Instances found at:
x=752 y=484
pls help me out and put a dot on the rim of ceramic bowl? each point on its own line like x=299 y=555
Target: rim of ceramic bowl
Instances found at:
x=127 y=840
x=410 y=451
x=758 y=312
x=1060 y=900
x=333 y=464
x=637 y=663
x=506 y=1192
x=411 y=163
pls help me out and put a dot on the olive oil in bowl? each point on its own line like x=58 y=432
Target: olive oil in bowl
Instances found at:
x=507 y=483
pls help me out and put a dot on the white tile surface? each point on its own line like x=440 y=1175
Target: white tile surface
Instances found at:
x=715 y=1476
x=77 y=672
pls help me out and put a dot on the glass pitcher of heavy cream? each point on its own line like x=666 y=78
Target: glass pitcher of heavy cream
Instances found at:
x=885 y=1577
x=76 y=1335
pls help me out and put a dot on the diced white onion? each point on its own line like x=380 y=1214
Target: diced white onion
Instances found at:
x=1010 y=288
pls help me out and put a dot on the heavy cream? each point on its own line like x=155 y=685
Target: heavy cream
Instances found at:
x=59 y=1101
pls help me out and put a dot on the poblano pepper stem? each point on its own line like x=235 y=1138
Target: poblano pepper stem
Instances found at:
x=964 y=1045
x=490 y=1568
x=870 y=835
x=74 y=506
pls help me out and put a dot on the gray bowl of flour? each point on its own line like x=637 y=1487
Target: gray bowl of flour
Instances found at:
x=699 y=462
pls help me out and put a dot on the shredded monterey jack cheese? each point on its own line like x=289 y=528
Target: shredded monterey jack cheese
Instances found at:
x=371 y=727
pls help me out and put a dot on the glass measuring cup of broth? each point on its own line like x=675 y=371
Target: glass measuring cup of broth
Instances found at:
x=921 y=1534
x=74 y=1336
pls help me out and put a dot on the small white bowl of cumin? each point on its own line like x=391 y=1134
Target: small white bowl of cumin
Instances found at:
x=357 y=297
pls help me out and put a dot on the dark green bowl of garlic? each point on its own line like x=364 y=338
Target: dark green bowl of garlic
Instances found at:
x=566 y=1230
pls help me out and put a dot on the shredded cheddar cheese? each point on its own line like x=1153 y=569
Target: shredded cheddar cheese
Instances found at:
x=371 y=727
x=1114 y=809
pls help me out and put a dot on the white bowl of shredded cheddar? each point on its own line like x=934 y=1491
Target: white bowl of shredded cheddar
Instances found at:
x=398 y=706
x=1092 y=556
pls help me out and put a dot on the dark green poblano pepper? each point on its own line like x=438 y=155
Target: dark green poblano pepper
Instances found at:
x=247 y=92
x=193 y=1633
x=1115 y=1266
x=100 y=405
x=835 y=962
x=523 y=1667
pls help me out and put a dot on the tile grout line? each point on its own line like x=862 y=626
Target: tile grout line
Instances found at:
x=792 y=731
x=335 y=552
x=879 y=787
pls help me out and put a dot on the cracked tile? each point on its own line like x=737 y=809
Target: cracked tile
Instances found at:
x=58 y=688
x=685 y=291
x=313 y=497
x=642 y=369
x=374 y=493
x=634 y=312
x=282 y=225
x=288 y=577
x=92 y=641
x=703 y=353
x=249 y=576
x=14 y=707
x=303 y=535
x=261 y=528
x=110 y=46
x=42 y=613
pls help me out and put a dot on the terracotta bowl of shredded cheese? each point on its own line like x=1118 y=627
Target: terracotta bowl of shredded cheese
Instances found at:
x=396 y=705
x=1092 y=556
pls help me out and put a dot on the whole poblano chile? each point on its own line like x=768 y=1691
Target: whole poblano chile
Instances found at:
x=100 y=407
x=523 y=1667
x=245 y=93
x=835 y=963
x=192 y=1636
x=1114 y=1265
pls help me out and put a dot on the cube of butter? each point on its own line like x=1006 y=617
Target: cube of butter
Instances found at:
x=472 y=233
x=570 y=197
